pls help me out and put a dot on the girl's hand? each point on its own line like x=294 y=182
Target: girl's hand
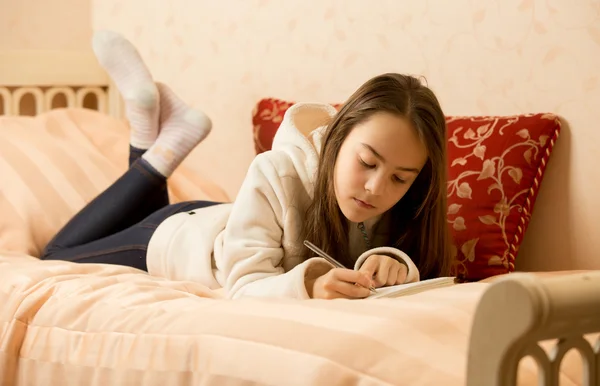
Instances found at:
x=340 y=283
x=384 y=270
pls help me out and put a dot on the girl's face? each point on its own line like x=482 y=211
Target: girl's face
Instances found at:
x=376 y=165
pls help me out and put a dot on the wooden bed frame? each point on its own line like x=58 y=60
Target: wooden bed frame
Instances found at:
x=32 y=82
x=514 y=314
x=519 y=311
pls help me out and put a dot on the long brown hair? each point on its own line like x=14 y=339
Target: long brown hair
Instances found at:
x=418 y=224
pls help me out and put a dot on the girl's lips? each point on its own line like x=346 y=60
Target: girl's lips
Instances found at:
x=363 y=204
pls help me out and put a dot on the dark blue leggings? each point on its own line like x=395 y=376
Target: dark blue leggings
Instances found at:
x=116 y=226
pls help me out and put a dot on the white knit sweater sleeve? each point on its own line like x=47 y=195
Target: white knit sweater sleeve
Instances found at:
x=413 y=272
x=252 y=250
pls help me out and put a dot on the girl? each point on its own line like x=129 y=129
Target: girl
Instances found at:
x=367 y=184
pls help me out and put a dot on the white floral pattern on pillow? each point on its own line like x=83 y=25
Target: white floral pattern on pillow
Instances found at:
x=478 y=176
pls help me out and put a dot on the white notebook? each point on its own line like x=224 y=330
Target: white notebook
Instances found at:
x=412 y=288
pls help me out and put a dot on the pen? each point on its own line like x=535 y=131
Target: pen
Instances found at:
x=330 y=259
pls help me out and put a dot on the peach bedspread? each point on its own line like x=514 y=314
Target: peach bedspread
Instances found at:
x=51 y=165
x=70 y=324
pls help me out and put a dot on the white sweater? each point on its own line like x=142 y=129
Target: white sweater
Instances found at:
x=252 y=247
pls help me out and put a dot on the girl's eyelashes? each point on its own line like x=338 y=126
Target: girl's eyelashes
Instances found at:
x=363 y=163
x=370 y=166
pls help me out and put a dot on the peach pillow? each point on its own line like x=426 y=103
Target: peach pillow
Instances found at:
x=53 y=164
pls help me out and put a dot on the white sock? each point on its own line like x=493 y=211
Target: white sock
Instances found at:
x=125 y=66
x=181 y=129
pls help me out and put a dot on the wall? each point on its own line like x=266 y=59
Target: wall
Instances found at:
x=481 y=57
x=45 y=24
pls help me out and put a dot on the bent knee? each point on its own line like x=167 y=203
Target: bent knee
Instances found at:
x=49 y=251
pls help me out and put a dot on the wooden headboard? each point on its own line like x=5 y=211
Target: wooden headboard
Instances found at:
x=32 y=82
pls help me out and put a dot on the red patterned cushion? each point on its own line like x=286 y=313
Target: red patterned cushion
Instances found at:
x=266 y=118
x=496 y=168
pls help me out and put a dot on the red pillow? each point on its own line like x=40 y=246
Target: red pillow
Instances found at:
x=496 y=166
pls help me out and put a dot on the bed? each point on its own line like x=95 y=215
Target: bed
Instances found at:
x=69 y=324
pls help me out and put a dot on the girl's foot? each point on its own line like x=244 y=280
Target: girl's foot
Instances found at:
x=125 y=66
x=181 y=129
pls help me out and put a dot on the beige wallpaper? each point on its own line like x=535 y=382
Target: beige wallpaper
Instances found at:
x=45 y=24
x=480 y=56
